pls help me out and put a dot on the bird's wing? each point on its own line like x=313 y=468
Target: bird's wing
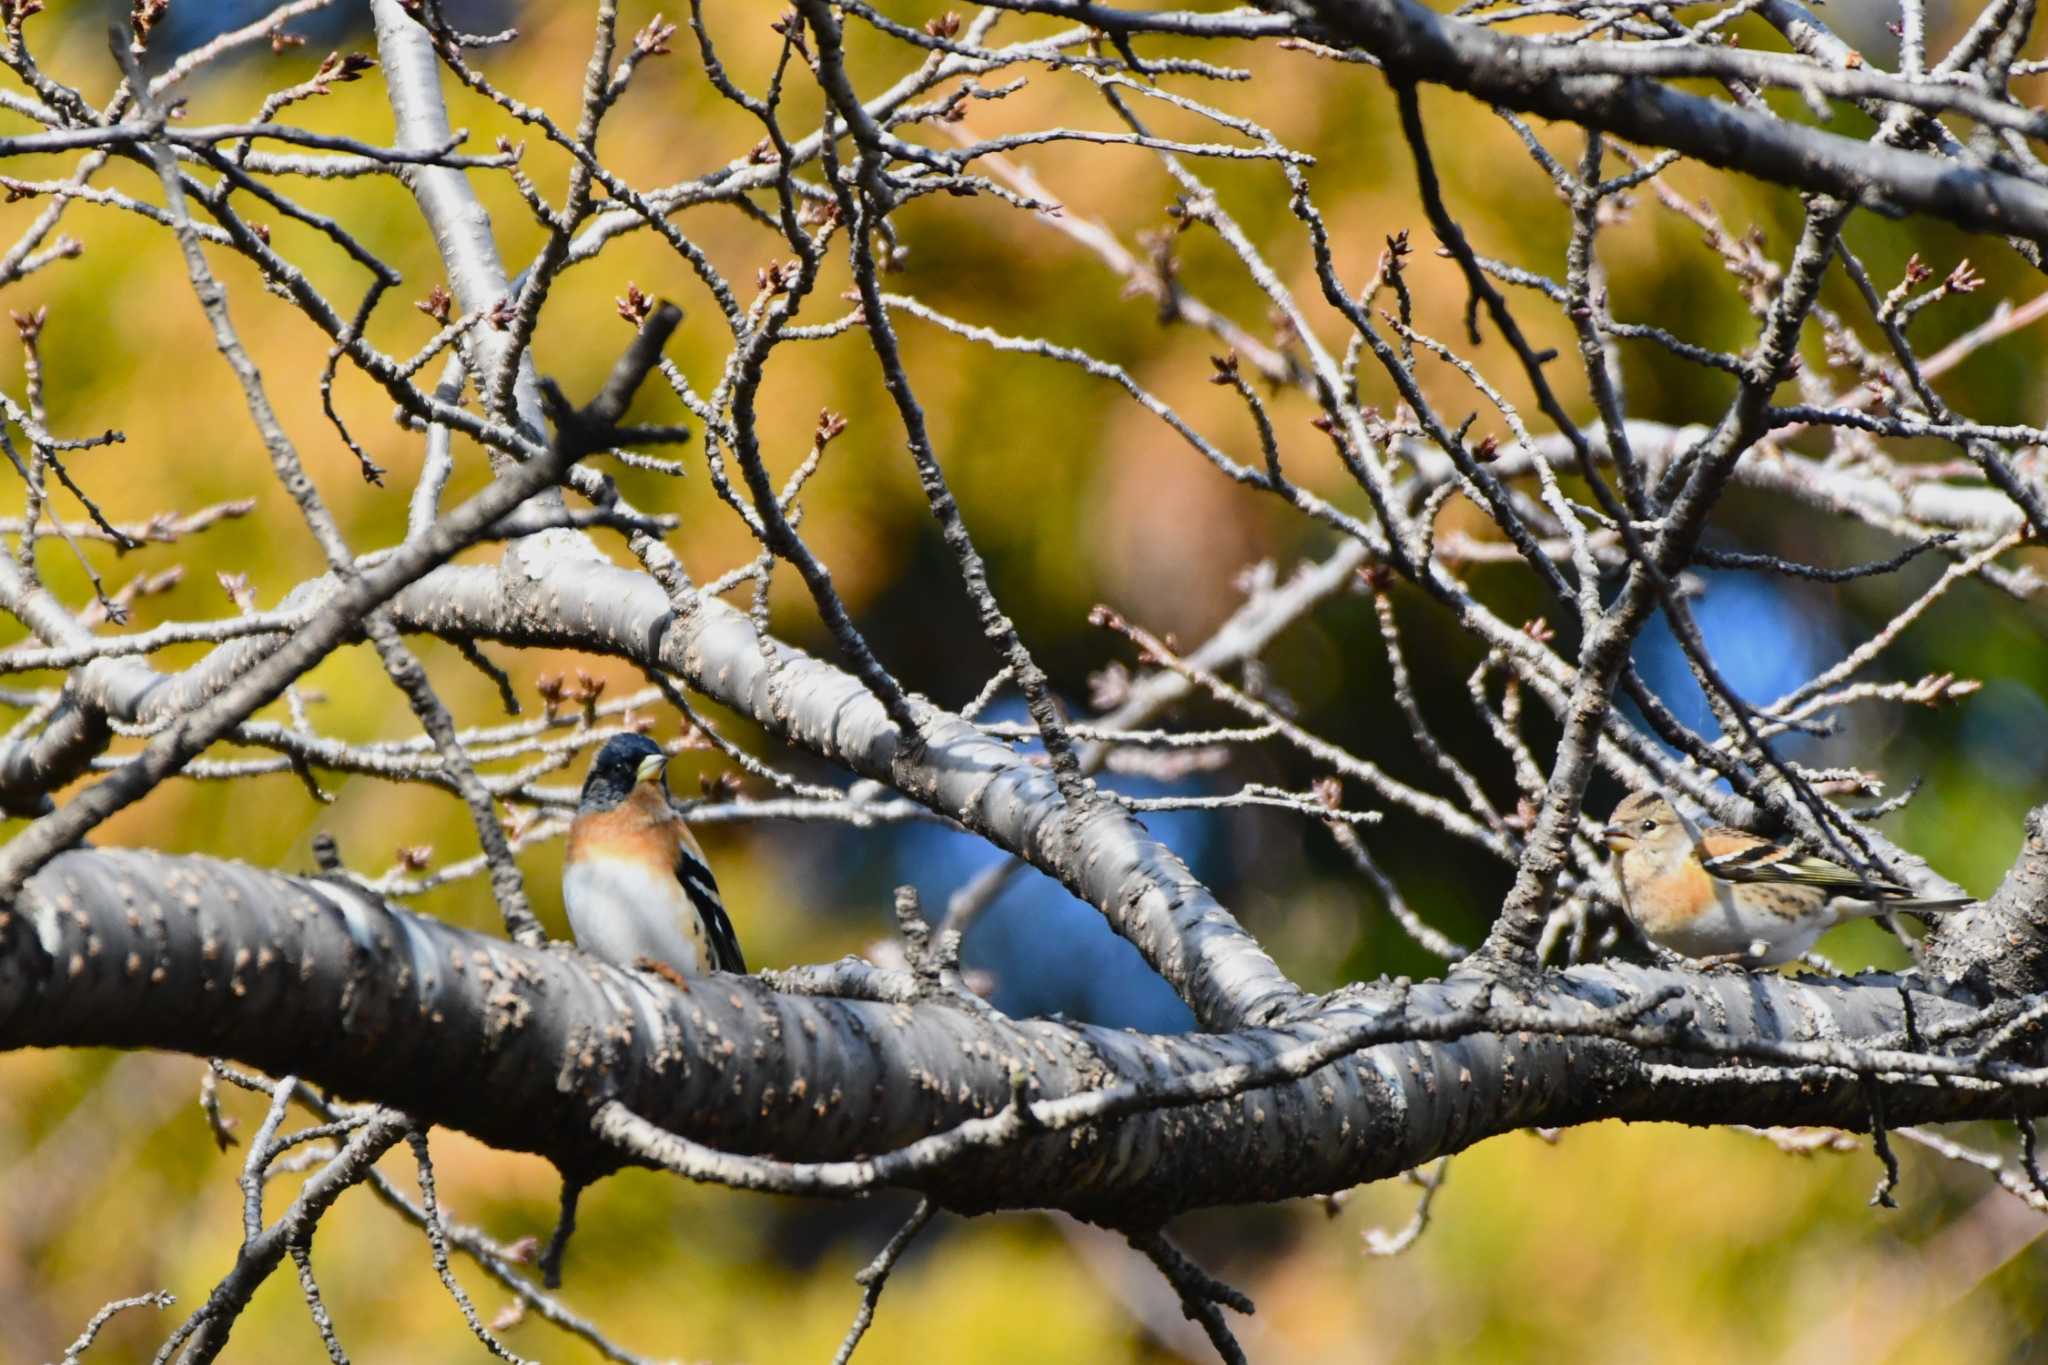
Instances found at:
x=1737 y=856
x=695 y=875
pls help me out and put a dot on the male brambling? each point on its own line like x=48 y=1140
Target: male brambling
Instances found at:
x=1715 y=892
x=635 y=883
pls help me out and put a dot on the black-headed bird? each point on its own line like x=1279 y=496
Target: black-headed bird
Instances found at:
x=634 y=881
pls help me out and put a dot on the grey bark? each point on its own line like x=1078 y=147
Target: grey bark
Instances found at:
x=1414 y=44
x=522 y=1046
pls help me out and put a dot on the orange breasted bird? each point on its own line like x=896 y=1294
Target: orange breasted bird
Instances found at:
x=1714 y=892
x=634 y=881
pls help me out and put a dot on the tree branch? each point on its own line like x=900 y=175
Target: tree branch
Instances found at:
x=1566 y=83
x=530 y=1045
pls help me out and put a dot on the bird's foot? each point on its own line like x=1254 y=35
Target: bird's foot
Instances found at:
x=662 y=970
x=1724 y=962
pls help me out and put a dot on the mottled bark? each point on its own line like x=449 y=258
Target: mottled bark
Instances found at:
x=2000 y=948
x=521 y=1046
x=1415 y=44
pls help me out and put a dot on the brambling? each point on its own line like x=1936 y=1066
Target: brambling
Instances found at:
x=1715 y=892
x=634 y=881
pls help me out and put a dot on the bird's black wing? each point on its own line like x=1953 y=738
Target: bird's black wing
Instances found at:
x=702 y=889
x=1738 y=856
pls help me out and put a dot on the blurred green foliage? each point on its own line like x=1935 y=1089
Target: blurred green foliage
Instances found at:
x=1615 y=1244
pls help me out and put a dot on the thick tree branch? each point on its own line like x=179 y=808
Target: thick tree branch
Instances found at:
x=133 y=949
x=1100 y=853
x=1569 y=84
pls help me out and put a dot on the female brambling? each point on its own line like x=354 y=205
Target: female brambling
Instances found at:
x=635 y=883
x=1714 y=892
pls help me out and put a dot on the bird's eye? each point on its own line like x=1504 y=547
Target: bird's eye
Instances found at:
x=1649 y=826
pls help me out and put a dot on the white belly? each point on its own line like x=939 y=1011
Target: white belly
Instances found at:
x=622 y=913
x=1765 y=940
x=1781 y=941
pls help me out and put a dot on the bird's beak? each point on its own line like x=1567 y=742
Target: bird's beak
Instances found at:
x=1616 y=838
x=651 y=768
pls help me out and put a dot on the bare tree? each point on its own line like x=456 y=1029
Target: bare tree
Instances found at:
x=838 y=1079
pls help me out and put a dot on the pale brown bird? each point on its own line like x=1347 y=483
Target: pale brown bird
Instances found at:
x=1715 y=892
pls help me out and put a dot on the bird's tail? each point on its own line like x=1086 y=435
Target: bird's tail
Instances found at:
x=1934 y=906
